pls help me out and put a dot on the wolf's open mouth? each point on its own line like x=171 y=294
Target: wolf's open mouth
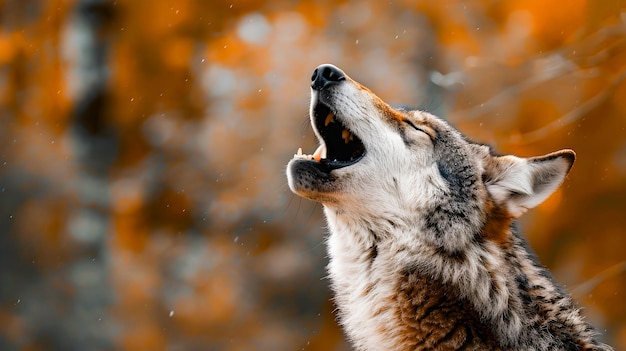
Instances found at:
x=340 y=147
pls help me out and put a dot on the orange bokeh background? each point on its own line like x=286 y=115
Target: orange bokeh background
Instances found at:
x=143 y=146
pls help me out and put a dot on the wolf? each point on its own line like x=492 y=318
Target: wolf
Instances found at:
x=424 y=250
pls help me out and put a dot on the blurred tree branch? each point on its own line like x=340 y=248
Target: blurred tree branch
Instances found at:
x=596 y=280
x=558 y=66
x=559 y=63
x=573 y=115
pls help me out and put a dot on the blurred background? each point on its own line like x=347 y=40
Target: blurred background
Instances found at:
x=143 y=144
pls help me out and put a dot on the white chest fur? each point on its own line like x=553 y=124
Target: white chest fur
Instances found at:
x=364 y=277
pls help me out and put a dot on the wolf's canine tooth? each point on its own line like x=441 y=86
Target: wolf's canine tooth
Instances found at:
x=345 y=135
x=319 y=153
x=329 y=118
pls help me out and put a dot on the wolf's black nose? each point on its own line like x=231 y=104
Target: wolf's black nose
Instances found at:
x=326 y=74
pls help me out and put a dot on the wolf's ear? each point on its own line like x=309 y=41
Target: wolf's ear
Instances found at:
x=523 y=183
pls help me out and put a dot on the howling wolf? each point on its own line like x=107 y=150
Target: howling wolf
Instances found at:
x=424 y=251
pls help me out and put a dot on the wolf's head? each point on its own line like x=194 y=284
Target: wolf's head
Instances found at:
x=375 y=160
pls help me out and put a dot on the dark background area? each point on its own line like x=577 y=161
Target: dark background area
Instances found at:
x=143 y=144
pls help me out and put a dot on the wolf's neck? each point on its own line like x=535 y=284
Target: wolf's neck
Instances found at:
x=498 y=276
x=363 y=270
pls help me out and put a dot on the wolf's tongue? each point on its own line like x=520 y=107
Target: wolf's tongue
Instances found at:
x=320 y=153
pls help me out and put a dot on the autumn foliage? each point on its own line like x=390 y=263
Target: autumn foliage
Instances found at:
x=143 y=202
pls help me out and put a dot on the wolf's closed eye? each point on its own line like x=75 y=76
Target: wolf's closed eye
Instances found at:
x=418 y=128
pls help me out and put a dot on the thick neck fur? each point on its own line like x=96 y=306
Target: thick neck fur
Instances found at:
x=396 y=291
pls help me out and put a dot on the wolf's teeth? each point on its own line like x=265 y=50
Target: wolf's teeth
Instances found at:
x=320 y=153
x=329 y=118
x=345 y=135
x=299 y=153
